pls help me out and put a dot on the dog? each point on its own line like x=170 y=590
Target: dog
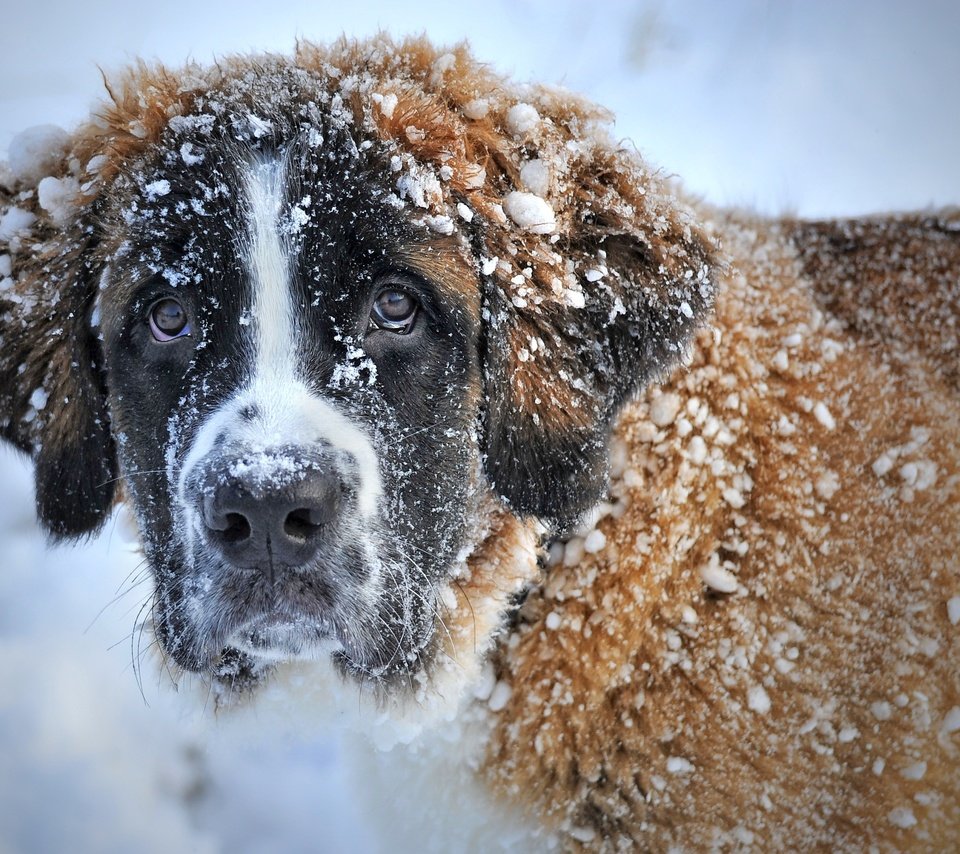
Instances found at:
x=415 y=373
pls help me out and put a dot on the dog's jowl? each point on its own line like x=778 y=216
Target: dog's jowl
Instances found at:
x=411 y=371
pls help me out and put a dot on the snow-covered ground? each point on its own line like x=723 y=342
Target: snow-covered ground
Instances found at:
x=818 y=109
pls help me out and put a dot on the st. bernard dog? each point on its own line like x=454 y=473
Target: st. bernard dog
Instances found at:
x=411 y=370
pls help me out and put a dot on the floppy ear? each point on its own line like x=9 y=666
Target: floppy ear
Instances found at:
x=563 y=354
x=52 y=395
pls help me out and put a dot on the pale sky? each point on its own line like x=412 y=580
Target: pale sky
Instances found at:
x=812 y=107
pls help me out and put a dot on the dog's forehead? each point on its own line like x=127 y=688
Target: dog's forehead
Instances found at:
x=187 y=215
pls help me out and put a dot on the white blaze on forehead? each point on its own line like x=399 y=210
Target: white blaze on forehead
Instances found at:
x=286 y=412
x=268 y=262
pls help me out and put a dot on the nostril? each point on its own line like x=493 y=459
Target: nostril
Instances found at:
x=238 y=528
x=301 y=524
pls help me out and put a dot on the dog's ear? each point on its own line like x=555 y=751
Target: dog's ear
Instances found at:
x=578 y=325
x=52 y=394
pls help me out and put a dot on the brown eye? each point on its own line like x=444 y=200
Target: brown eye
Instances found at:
x=168 y=320
x=394 y=310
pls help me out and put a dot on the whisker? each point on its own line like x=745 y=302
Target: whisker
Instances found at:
x=121 y=594
x=473 y=614
x=136 y=646
x=400 y=436
x=125 y=474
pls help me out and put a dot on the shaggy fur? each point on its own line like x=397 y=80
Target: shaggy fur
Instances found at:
x=811 y=707
x=750 y=643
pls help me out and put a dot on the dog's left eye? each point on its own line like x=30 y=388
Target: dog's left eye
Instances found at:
x=395 y=310
x=168 y=320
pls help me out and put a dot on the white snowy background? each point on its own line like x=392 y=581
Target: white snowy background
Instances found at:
x=818 y=109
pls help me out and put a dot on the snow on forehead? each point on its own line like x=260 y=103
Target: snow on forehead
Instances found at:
x=367 y=85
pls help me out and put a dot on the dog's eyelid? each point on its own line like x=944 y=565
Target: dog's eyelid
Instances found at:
x=400 y=278
x=152 y=290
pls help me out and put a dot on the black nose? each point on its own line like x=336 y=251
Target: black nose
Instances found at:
x=259 y=520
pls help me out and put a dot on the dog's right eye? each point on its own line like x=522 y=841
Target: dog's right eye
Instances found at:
x=394 y=310
x=168 y=320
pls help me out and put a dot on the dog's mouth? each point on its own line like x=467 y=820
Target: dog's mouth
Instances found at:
x=370 y=632
x=274 y=638
x=201 y=614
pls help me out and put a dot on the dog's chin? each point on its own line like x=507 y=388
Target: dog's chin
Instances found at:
x=203 y=627
x=275 y=638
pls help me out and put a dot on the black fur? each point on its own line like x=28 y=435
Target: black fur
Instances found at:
x=51 y=346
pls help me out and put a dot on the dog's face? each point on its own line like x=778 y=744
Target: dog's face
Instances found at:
x=293 y=382
x=314 y=348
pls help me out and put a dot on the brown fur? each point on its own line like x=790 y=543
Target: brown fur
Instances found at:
x=636 y=717
x=842 y=582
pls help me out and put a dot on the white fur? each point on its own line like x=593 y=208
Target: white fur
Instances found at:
x=288 y=412
x=419 y=783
